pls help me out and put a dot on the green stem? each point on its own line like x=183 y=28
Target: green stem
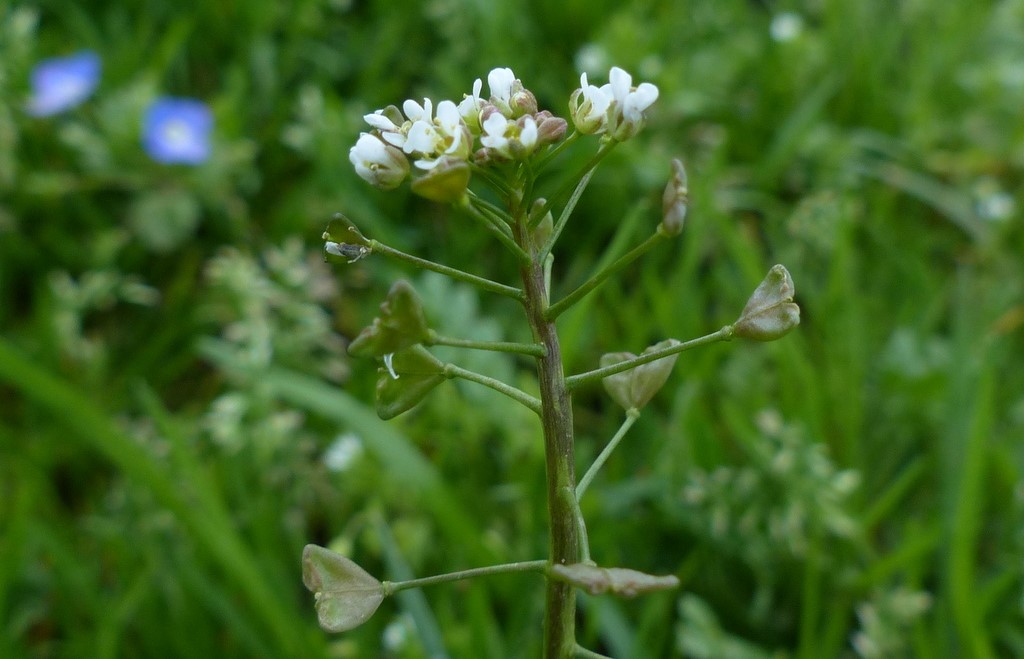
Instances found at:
x=556 y=419
x=492 y=179
x=497 y=229
x=532 y=349
x=453 y=371
x=496 y=214
x=584 y=179
x=391 y=587
x=581 y=524
x=574 y=381
x=572 y=298
x=631 y=416
x=553 y=152
x=563 y=219
x=486 y=284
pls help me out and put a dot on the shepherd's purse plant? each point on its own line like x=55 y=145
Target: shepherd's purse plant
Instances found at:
x=505 y=144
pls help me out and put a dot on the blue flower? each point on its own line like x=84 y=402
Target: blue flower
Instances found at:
x=177 y=131
x=61 y=83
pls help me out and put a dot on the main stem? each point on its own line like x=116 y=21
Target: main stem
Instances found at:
x=556 y=417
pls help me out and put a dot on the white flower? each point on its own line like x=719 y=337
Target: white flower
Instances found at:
x=493 y=136
x=423 y=138
x=511 y=139
x=588 y=107
x=446 y=135
x=378 y=163
x=626 y=115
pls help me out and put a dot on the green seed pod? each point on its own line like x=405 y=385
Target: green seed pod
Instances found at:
x=770 y=313
x=636 y=387
x=410 y=375
x=401 y=324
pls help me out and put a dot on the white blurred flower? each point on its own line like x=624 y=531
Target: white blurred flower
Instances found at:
x=343 y=452
x=992 y=202
x=786 y=26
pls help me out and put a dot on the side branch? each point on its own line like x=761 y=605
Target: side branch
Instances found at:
x=460 y=275
x=391 y=587
x=531 y=349
x=574 y=381
x=518 y=395
x=572 y=298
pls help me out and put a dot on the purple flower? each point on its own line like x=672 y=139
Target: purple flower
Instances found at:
x=61 y=83
x=177 y=131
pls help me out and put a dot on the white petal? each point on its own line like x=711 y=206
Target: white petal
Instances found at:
x=422 y=138
x=528 y=136
x=495 y=124
x=448 y=116
x=620 y=82
x=500 y=81
x=394 y=139
x=417 y=112
x=379 y=121
x=646 y=94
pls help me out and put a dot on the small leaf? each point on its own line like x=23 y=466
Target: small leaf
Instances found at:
x=615 y=580
x=346 y=594
x=400 y=325
x=636 y=387
x=415 y=373
x=770 y=313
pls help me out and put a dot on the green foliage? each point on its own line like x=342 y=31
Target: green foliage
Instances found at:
x=173 y=373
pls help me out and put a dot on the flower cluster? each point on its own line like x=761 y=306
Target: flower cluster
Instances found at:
x=174 y=130
x=506 y=126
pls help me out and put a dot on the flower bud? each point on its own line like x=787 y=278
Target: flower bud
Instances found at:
x=675 y=200
x=446 y=182
x=543 y=228
x=550 y=128
x=522 y=101
x=378 y=163
x=770 y=313
x=636 y=387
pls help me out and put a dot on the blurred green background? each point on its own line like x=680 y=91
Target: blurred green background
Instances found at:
x=178 y=416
